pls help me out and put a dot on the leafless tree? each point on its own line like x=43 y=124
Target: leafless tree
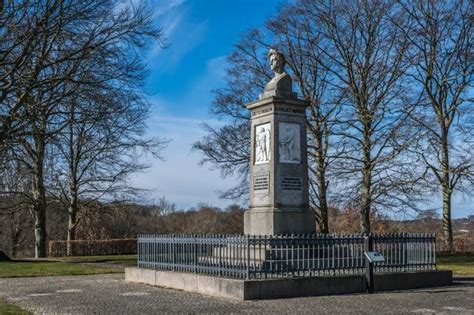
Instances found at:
x=19 y=38
x=99 y=150
x=69 y=38
x=442 y=58
x=27 y=34
x=367 y=65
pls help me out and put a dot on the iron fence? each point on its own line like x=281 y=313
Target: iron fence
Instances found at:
x=254 y=257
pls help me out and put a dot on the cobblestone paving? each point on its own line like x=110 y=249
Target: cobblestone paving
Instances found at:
x=109 y=294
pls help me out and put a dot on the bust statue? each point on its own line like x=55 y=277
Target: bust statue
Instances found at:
x=281 y=84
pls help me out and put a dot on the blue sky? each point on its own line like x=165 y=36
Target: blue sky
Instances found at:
x=200 y=35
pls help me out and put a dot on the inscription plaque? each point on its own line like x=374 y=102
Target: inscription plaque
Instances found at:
x=291 y=183
x=260 y=183
x=290 y=110
x=262 y=111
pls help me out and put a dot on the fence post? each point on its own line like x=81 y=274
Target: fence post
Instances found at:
x=138 y=250
x=173 y=250
x=218 y=242
x=194 y=249
x=248 y=256
x=369 y=267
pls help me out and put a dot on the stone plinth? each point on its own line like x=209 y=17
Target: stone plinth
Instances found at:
x=284 y=287
x=278 y=190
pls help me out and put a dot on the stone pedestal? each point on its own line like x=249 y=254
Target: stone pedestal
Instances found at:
x=278 y=190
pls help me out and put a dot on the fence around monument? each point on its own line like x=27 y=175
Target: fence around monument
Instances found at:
x=257 y=257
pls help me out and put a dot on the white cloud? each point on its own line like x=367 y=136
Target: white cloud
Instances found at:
x=165 y=6
x=180 y=178
x=182 y=35
x=212 y=77
x=196 y=96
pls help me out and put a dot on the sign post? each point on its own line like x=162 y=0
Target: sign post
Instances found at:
x=370 y=258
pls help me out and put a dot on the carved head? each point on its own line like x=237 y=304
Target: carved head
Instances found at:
x=277 y=61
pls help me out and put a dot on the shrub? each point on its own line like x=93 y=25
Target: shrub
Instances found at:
x=94 y=247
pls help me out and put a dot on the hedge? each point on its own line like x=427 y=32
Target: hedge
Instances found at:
x=94 y=247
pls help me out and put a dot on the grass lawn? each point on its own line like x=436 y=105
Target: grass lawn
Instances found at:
x=8 y=309
x=126 y=260
x=460 y=264
x=18 y=268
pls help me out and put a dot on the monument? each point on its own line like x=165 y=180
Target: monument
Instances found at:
x=278 y=188
x=266 y=262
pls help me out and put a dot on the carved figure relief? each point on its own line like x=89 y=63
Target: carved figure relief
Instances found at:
x=289 y=143
x=262 y=143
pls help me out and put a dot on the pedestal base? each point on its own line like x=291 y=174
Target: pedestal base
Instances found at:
x=284 y=287
x=264 y=221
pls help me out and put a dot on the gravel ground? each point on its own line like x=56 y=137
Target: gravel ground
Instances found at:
x=109 y=294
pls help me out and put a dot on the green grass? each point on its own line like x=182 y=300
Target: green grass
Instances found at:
x=18 y=268
x=126 y=260
x=10 y=309
x=460 y=264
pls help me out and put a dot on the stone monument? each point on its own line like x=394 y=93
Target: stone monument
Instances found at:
x=278 y=190
x=259 y=267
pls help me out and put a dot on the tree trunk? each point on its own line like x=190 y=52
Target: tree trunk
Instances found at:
x=73 y=186
x=71 y=228
x=320 y=157
x=323 y=205
x=366 y=201
x=447 y=226
x=366 y=186
x=39 y=199
x=14 y=234
x=447 y=192
x=39 y=214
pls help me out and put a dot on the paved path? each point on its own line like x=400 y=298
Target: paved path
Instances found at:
x=109 y=294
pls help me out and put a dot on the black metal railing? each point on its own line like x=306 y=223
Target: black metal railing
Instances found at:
x=254 y=257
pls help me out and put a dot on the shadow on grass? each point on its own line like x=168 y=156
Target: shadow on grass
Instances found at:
x=30 y=268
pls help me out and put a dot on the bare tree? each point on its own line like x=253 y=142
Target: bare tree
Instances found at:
x=99 y=150
x=68 y=36
x=442 y=58
x=367 y=64
x=37 y=93
x=20 y=32
x=29 y=30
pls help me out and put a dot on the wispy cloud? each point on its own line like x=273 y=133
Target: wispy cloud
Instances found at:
x=180 y=178
x=182 y=34
x=159 y=7
x=165 y=6
x=198 y=93
x=179 y=113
